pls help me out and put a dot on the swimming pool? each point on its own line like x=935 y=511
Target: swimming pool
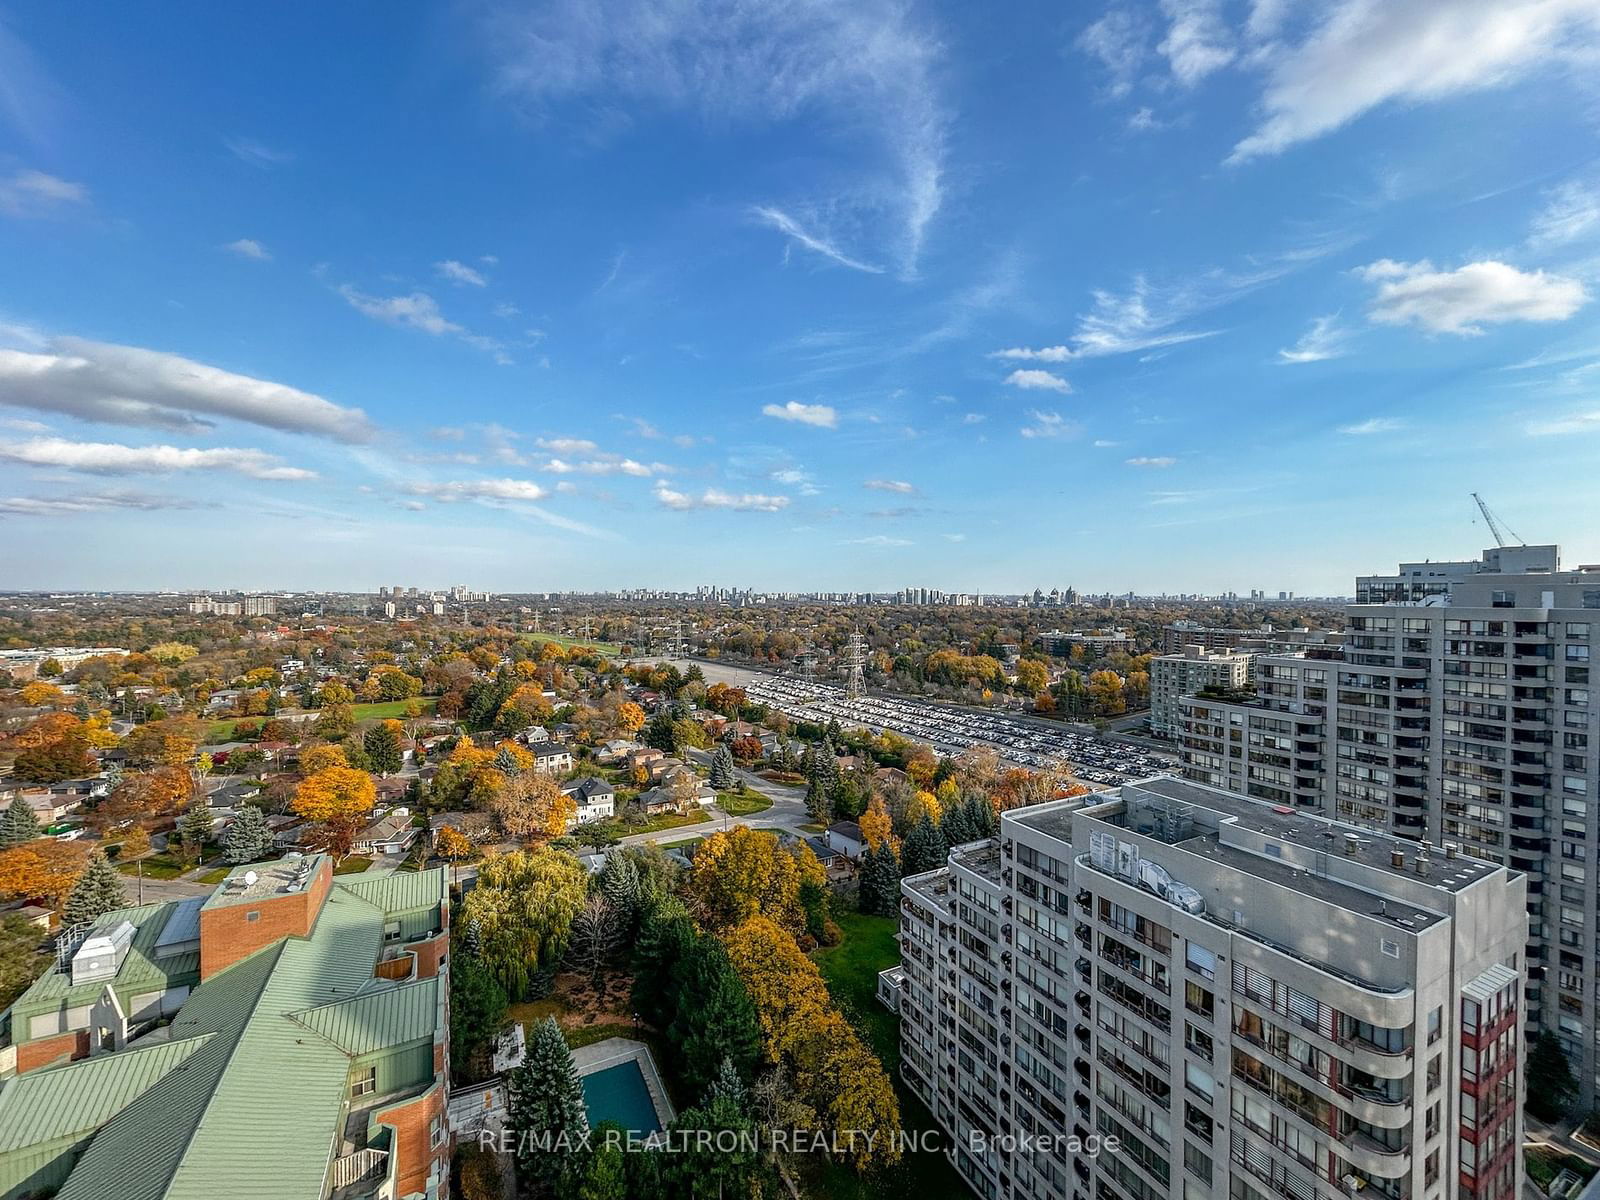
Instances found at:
x=618 y=1094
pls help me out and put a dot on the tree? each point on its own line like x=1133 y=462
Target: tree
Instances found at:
x=729 y=1085
x=742 y=871
x=335 y=721
x=605 y=1175
x=384 y=746
x=876 y=825
x=819 y=801
x=545 y=1110
x=195 y=826
x=23 y=957
x=338 y=800
x=97 y=891
x=722 y=778
x=452 y=845
x=45 y=868
x=880 y=882
x=65 y=757
x=524 y=904
x=477 y=1009
x=1106 y=693
x=19 y=824
x=665 y=935
x=135 y=845
x=1032 y=677
x=596 y=937
x=320 y=758
x=630 y=718
x=531 y=805
x=708 y=1169
x=248 y=838
x=715 y=1021
x=1551 y=1086
x=619 y=883
x=924 y=848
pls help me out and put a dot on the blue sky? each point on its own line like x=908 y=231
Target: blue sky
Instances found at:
x=1166 y=296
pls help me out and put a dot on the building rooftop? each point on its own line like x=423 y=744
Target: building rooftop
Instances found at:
x=933 y=885
x=258 y=881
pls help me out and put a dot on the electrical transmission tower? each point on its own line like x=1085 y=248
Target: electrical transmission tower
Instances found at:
x=856 y=666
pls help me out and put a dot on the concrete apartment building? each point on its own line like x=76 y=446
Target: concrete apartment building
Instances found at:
x=1462 y=714
x=1264 y=639
x=285 y=1036
x=1256 y=1003
x=1194 y=669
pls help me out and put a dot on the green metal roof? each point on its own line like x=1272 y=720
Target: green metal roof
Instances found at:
x=407 y=1013
x=141 y=970
x=257 y=1068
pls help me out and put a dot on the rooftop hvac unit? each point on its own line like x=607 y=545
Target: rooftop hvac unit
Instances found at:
x=102 y=953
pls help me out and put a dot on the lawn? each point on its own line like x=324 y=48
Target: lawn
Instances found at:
x=222 y=731
x=157 y=866
x=353 y=865
x=684 y=844
x=214 y=876
x=561 y=639
x=743 y=802
x=666 y=821
x=851 y=972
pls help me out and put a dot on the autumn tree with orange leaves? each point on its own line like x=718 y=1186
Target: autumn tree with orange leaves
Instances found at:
x=44 y=869
x=338 y=800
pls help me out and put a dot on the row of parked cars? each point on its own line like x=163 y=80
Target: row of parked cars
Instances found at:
x=952 y=730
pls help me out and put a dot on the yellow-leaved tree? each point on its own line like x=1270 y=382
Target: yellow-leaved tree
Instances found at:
x=338 y=799
x=320 y=758
x=876 y=824
x=744 y=872
x=835 y=1075
x=532 y=805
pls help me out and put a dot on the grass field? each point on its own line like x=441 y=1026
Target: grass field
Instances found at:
x=353 y=865
x=222 y=731
x=156 y=866
x=851 y=972
x=561 y=639
x=666 y=821
x=743 y=802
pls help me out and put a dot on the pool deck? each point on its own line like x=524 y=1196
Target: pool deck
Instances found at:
x=613 y=1052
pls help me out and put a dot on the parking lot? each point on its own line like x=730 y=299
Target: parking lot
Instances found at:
x=952 y=730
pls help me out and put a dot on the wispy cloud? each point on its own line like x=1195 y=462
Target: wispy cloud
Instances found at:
x=1118 y=40
x=792 y=229
x=1371 y=426
x=112 y=458
x=868 y=68
x=717 y=498
x=566 y=445
x=899 y=486
x=1158 y=461
x=1463 y=301
x=877 y=539
x=1324 y=340
x=91 y=502
x=458 y=272
x=126 y=385
x=29 y=193
x=418 y=310
x=248 y=248
x=1049 y=425
x=822 y=416
x=1571 y=211
x=1572 y=423
x=1037 y=380
x=479 y=489
x=256 y=154
x=1197 y=43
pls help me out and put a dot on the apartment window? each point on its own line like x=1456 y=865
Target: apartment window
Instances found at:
x=1577 y=629
x=1435 y=1025
x=1198 y=1081
x=1201 y=961
x=1197 y=1163
x=365 y=1082
x=391 y=931
x=1503 y=600
x=1431 y=1125
x=1435 y=1071
x=435 y=1133
x=1199 y=1000
x=253 y=915
x=1198 y=1041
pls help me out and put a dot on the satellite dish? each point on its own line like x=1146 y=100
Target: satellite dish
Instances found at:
x=250 y=878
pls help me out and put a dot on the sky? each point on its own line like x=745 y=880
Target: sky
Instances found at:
x=1162 y=296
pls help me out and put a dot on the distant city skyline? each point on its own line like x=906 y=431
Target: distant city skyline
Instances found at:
x=1136 y=297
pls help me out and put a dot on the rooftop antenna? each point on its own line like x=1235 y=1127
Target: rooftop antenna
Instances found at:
x=1499 y=528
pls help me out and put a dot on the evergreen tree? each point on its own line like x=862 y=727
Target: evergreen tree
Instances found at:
x=384 y=752
x=619 y=881
x=506 y=763
x=982 y=816
x=19 y=824
x=661 y=732
x=707 y=1170
x=730 y=1086
x=880 y=882
x=194 y=827
x=97 y=892
x=605 y=1175
x=472 y=939
x=819 y=804
x=924 y=848
x=665 y=936
x=545 y=1111
x=722 y=778
x=248 y=838
x=956 y=825
x=477 y=1008
x=1551 y=1086
x=715 y=1019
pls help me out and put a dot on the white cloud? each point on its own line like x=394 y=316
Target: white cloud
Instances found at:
x=876 y=539
x=973 y=419
x=1324 y=340
x=1048 y=425
x=480 y=489
x=81 y=502
x=1464 y=300
x=1197 y=41
x=416 y=311
x=610 y=465
x=1037 y=380
x=899 y=486
x=1158 y=461
x=1371 y=426
x=125 y=385
x=1104 y=444
x=1117 y=39
x=457 y=272
x=821 y=415
x=716 y=498
x=566 y=445
x=954 y=537
x=1052 y=354
x=1367 y=53
x=248 y=150
x=1572 y=423
x=1140 y=319
x=1571 y=211
x=111 y=458
x=29 y=193
x=866 y=69
x=790 y=228
x=249 y=248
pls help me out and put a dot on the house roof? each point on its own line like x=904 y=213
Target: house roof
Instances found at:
x=847 y=829
x=587 y=788
x=549 y=749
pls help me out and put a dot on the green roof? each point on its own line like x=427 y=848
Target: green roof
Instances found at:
x=256 y=1069
x=399 y=891
x=142 y=970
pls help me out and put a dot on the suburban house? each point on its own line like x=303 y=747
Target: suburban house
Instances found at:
x=596 y=799
x=534 y=734
x=391 y=833
x=285 y=1035
x=476 y=827
x=846 y=837
x=614 y=751
x=643 y=756
x=551 y=757
x=663 y=799
x=48 y=807
x=826 y=854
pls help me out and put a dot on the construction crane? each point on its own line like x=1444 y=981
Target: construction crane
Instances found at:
x=1498 y=528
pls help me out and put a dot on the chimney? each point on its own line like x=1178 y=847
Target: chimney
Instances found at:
x=1397 y=859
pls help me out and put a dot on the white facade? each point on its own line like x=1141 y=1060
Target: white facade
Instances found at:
x=1173 y=676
